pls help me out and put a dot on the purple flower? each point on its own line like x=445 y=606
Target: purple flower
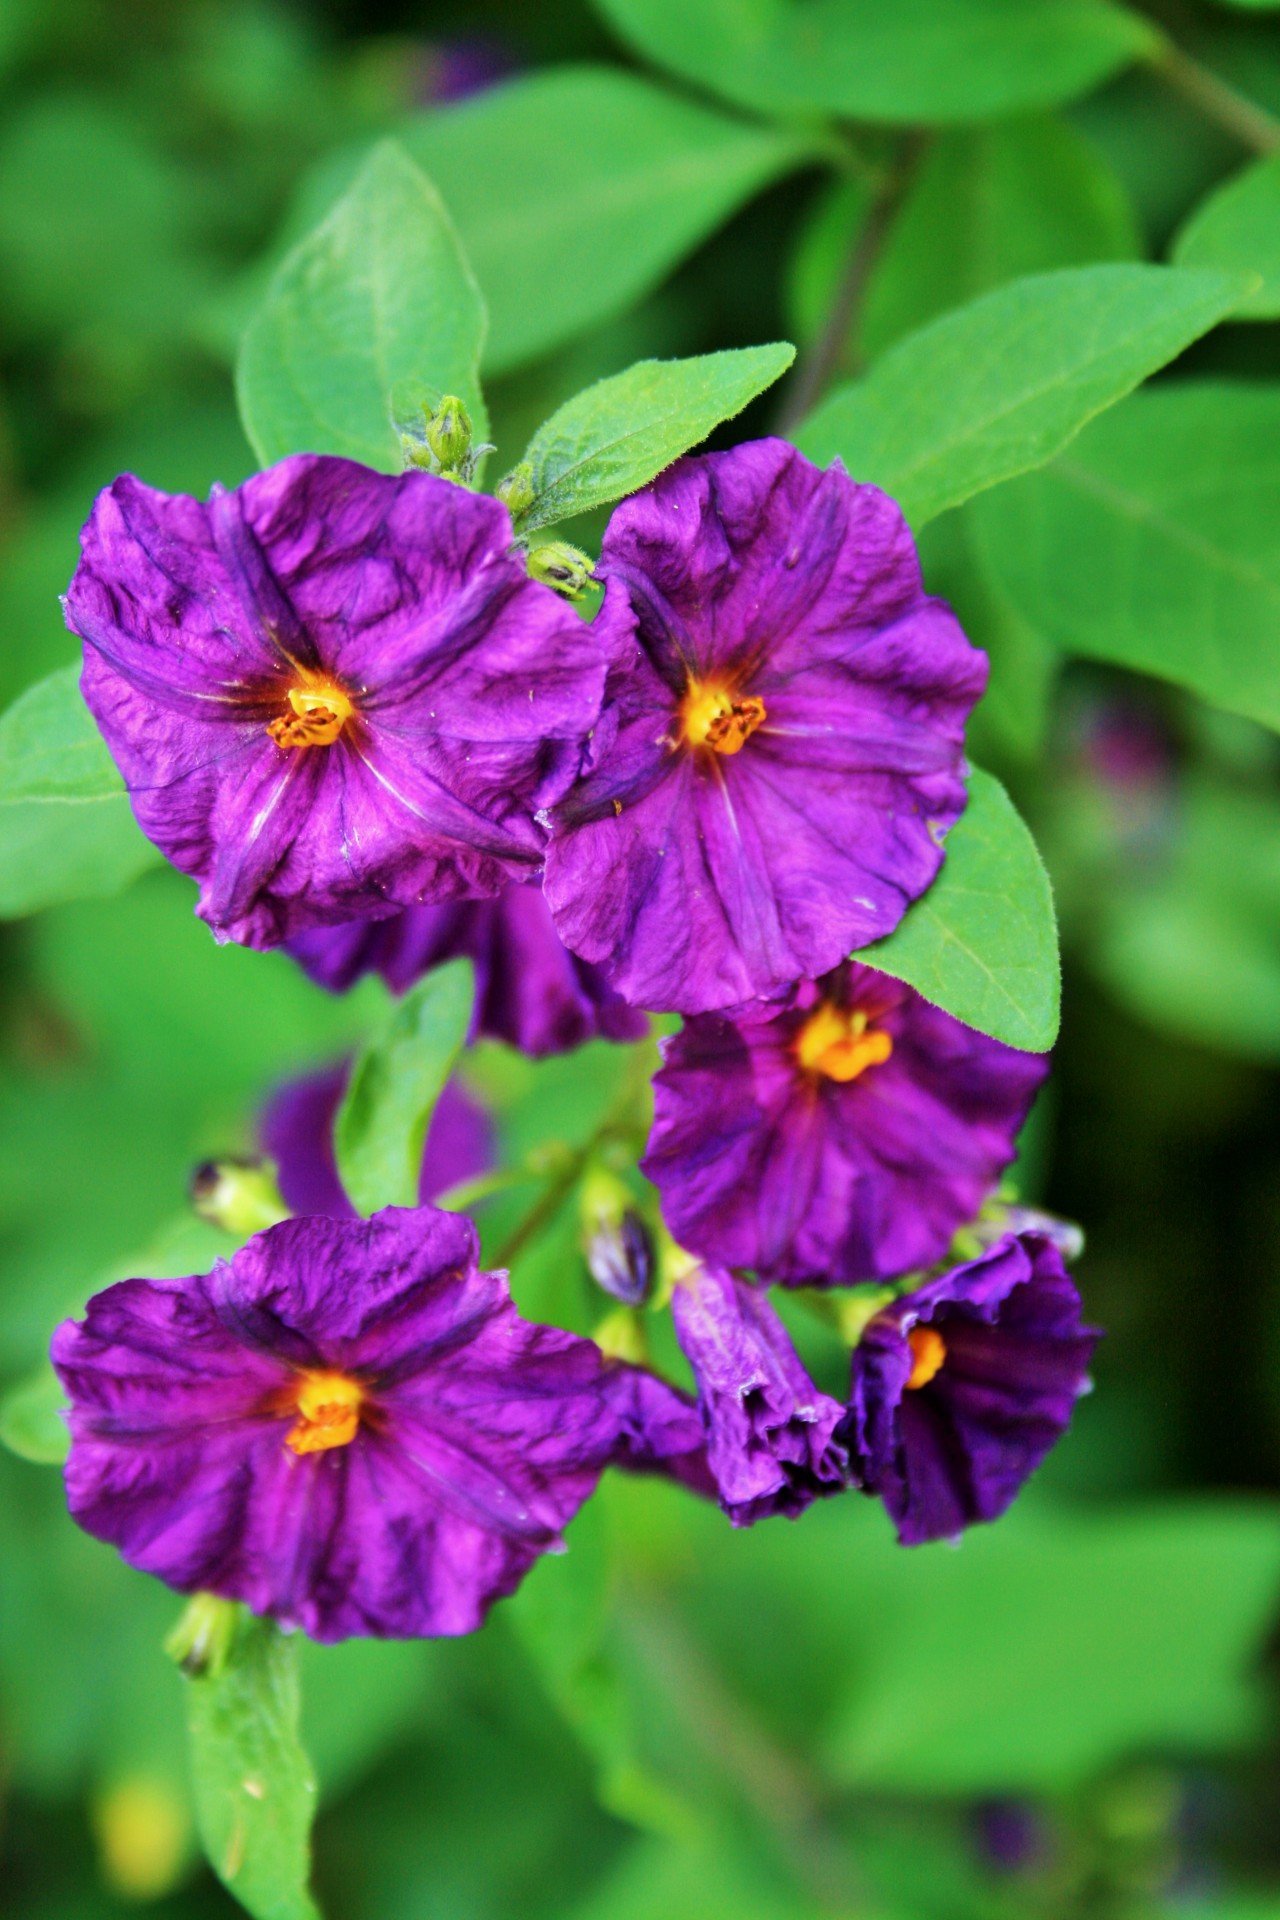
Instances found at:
x=840 y=1134
x=296 y=1131
x=771 y=1443
x=779 y=752
x=347 y=1426
x=331 y=692
x=961 y=1388
x=530 y=990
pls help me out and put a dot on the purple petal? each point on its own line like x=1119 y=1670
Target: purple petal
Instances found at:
x=771 y=1443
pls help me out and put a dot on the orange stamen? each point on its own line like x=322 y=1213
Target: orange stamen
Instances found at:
x=318 y=716
x=711 y=717
x=928 y=1351
x=328 y=1408
x=840 y=1045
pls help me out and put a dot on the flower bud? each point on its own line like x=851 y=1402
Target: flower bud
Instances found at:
x=617 y=1243
x=239 y=1196
x=203 y=1637
x=516 y=491
x=143 y=1831
x=565 y=569
x=449 y=434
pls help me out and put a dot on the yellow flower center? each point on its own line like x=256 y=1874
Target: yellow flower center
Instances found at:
x=928 y=1351
x=319 y=713
x=839 y=1044
x=711 y=717
x=328 y=1408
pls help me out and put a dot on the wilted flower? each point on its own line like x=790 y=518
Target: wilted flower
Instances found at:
x=347 y=1426
x=296 y=1131
x=961 y=1387
x=530 y=990
x=779 y=753
x=842 y=1133
x=330 y=692
x=770 y=1434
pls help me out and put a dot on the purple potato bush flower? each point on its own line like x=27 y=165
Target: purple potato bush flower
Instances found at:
x=780 y=747
x=772 y=1443
x=330 y=692
x=295 y=1130
x=530 y=990
x=839 y=1134
x=961 y=1387
x=347 y=1425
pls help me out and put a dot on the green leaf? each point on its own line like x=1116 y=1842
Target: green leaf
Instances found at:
x=379 y=294
x=66 y=828
x=394 y=1085
x=1002 y=385
x=578 y=189
x=983 y=941
x=616 y=436
x=912 y=61
x=1077 y=1633
x=988 y=205
x=1155 y=543
x=31 y=1422
x=1013 y=715
x=254 y=1788
x=563 y=1618
x=1238 y=227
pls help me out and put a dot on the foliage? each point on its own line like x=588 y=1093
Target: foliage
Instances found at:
x=953 y=207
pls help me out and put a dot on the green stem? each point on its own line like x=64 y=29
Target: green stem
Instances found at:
x=816 y=366
x=1234 y=112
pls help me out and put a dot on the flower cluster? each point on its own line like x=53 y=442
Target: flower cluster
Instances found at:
x=342 y=705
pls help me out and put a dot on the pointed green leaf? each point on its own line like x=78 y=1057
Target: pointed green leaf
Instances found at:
x=255 y=1791
x=394 y=1085
x=1238 y=228
x=578 y=189
x=67 y=831
x=616 y=436
x=988 y=205
x=1000 y=386
x=983 y=941
x=905 y=62
x=31 y=1422
x=1155 y=542
x=380 y=294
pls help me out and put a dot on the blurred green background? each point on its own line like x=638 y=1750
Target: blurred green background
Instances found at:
x=1074 y=1713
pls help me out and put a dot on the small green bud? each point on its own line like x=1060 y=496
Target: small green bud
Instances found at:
x=565 y=569
x=239 y=1196
x=516 y=491
x=449 y=434
x=202 y=1639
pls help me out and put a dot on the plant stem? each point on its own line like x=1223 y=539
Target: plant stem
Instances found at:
x=1239 y=116
x=817 y=364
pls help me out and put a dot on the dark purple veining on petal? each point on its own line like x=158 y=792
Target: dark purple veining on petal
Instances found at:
x=531 y=992
x=999 y=1356
x=770 y=1434
x=472 y=1439
x=459 y=692
x=764 y=1162
x=712 y=853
